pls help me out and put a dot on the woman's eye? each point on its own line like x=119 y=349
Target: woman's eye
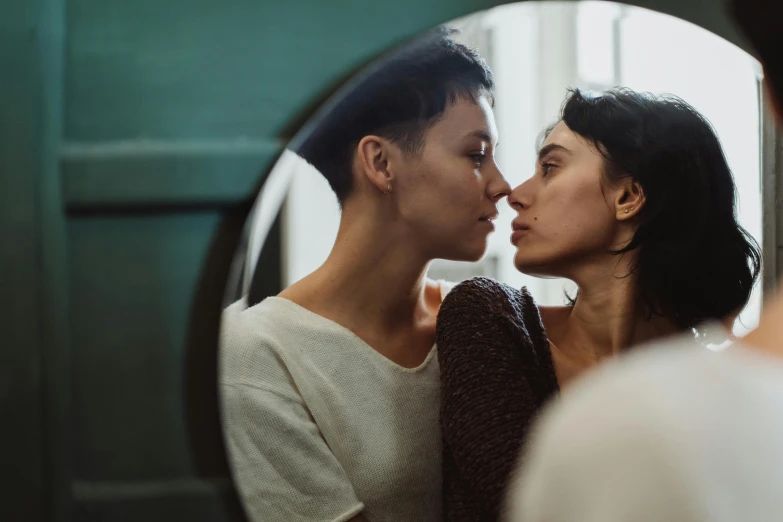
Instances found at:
x=547 y=167
x=478 y=158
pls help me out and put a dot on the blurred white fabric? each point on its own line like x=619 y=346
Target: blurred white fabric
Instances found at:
x=676 y=433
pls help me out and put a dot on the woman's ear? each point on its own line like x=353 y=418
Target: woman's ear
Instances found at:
x=373 y=158
x=629 y=199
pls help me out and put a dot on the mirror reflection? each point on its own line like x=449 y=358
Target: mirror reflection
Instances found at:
x=475 y=222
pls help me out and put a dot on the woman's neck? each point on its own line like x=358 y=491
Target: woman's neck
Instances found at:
x=373 y=277
x=607 y=318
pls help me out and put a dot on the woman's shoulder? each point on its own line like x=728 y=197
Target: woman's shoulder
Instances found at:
x=258 y=322
x=488 y=308
x=256 y=339
x=486 y=291
x=483 y=297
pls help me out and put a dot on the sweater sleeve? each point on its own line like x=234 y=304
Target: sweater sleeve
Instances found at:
x=491 y=379
x=282 y=465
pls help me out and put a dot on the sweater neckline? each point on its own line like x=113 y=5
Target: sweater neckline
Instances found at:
x=444 y=287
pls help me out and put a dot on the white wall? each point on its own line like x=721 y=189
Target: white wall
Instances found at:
x=310 y=222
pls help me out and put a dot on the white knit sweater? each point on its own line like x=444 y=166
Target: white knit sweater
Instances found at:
x=320 y=426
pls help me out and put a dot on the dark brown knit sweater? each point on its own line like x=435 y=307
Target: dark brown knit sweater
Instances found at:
x=496 y=374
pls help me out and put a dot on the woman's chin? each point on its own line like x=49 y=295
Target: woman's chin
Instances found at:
x=521 y=262
x=474 y=257
x=532 y=267
x=471 y=253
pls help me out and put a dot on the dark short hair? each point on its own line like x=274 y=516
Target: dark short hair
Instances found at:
x=695 y=262
x=399 y=99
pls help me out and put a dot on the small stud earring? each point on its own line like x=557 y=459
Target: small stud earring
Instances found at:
x=626 y=210
x=388 y=188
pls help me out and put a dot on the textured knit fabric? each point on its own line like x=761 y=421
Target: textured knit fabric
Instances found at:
x=496 y=374
x=320 y=426
x=677 y=433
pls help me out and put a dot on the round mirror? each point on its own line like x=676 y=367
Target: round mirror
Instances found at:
x=555 y=172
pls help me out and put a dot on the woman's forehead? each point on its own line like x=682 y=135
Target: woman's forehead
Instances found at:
x=562 y=135
x=465 y=117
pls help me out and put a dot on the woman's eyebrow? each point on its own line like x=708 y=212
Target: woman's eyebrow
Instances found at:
x=482 y=135
x=551 y=148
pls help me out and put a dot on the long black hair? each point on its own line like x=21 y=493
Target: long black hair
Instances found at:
x=695 y=262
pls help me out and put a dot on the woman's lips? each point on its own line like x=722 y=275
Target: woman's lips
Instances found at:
x=519 y=230
x=489 y=223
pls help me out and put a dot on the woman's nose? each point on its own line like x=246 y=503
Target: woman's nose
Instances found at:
x=500 y=188
x=519 y=197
